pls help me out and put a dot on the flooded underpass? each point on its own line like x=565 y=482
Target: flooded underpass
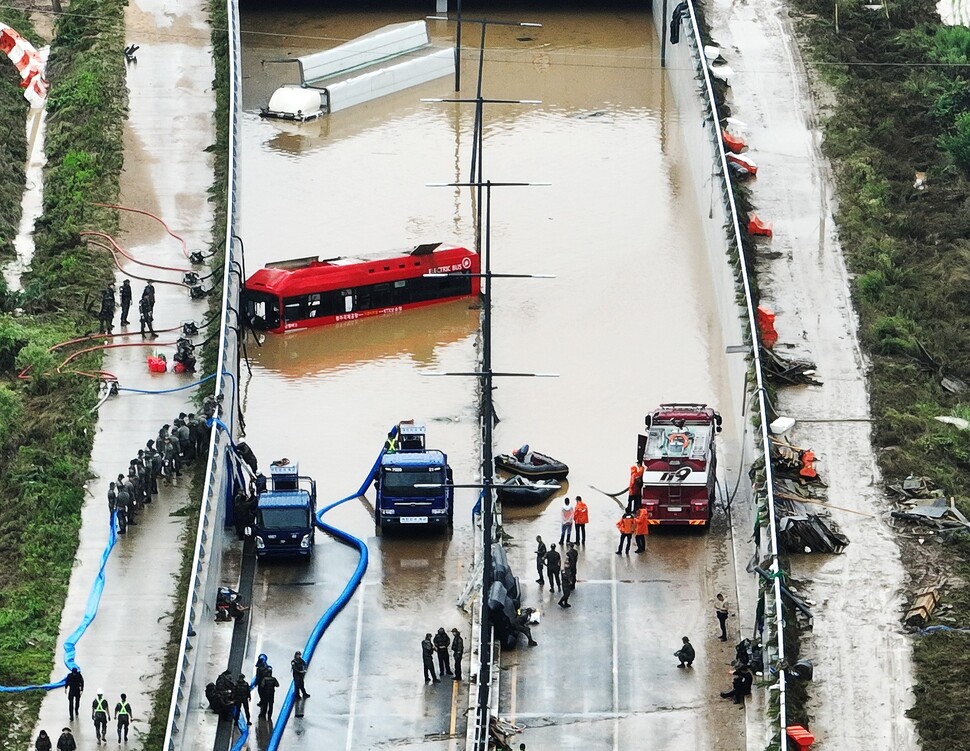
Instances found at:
x=628 y=322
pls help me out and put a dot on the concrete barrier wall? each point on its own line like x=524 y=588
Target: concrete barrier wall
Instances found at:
x=689 y=78
x=198 y=625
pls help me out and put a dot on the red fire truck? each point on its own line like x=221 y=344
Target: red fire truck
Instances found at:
x=679 y=463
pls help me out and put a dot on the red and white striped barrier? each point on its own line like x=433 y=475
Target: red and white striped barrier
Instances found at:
x=29 y=62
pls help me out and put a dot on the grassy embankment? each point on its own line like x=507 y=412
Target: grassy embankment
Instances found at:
x=46 y=429
x=218 y=197
x=903 y=107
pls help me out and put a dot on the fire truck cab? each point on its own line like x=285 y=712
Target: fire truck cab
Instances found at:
x=679 y=463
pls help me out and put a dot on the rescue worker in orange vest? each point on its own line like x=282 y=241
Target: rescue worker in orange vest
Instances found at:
x=626 y=525
x=642 y=529
x=636 y=487
x=580 y=520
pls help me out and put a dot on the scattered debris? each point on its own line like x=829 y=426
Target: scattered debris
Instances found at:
x=920 y=183
x=957 y=422
x=795 y=463
x=924 y=603
x=953 y=385
x=800 y=531
x=788 y=371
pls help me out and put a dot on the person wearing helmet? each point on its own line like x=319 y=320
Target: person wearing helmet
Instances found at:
x=100 y=714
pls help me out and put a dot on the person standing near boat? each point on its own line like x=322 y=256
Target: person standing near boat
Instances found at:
x=580 y=519
x=566 y=529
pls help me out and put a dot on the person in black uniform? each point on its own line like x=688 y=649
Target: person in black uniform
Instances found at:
x=568 y=585
x=457 y=650
x=146 y=317
x=299 y=666
x=441 y=644
x=553 y=565
x=125 y=301
x=741 y=685
x=540 y=559
x=685 y=654
x=427 y=657
x=267 y=694
x=74 y=687
x=521 y=625
x=241 y=694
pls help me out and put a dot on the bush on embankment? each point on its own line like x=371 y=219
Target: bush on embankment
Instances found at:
x=13 y=145
x=46 y=427
x=903 y=107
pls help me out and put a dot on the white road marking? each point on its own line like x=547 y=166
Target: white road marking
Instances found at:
x=354 y=680
x=616 y=656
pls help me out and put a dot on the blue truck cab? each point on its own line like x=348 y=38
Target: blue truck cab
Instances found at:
x=285 y=512
x=414 y=483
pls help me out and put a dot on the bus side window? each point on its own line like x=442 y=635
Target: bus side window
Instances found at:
x=348 y=300
x=314 y=306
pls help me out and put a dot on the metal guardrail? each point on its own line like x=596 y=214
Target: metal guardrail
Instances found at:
x=773 y=611
x=208 y=543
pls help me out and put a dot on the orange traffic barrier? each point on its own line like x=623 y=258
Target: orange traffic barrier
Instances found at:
x=808 y=465
x=801 y=737
x=757 y=226
x=766 y=325
x=745 y=162
x=733 y=143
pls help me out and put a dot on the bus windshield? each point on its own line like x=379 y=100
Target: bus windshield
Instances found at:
x=400 y=484
x=283 y=518
x=262 y=310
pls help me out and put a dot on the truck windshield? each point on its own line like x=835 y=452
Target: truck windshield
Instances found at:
x=401 y=484
x=283 y=518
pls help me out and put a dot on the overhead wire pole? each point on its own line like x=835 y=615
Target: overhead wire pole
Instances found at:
x=477 y=135
x=488 y=464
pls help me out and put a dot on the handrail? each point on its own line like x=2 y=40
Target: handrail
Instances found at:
x=701 y=62
x=227 y=394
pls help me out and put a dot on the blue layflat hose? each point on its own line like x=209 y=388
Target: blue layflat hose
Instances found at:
x=327 y=618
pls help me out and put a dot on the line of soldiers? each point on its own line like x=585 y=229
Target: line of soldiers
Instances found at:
x=176 y=444
x=146 y=308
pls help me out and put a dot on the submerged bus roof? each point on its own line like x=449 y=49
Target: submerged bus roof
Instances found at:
x=311 y=275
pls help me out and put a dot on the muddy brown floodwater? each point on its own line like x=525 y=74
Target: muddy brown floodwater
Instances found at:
x=628 y=322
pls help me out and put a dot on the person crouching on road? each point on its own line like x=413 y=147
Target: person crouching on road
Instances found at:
x=685 y=654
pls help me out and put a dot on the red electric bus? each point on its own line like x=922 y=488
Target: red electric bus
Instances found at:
x=305 y=292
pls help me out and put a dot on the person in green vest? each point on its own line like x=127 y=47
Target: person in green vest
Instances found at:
x=100 y=713
x=123 y=716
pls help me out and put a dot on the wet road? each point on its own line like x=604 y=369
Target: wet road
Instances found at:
x=123 y=648
x=863 y=662
x=626 y=324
